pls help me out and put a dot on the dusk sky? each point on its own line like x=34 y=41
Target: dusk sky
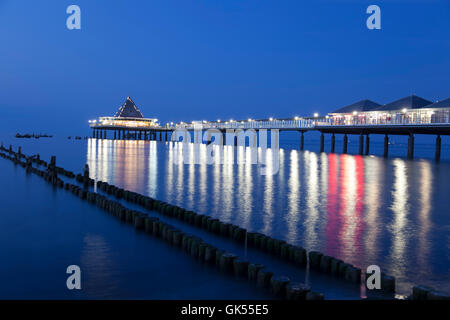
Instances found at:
x=209 y=59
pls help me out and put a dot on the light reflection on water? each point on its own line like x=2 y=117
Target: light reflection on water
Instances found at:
x=98 y=268
x=364 y=210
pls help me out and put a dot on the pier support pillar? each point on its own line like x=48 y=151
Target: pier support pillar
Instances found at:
x=302 y=141
x=386 y=146
x=333 y=142
x=322 y=142
x=140 y=135
x=160 y=136
x=115 y=134
x=165 y=136
x=345 y=143
x=367 y=145
x=361 y=144
x=93 y=133
x=438 y=147
x=224 y=136
x=411 y=146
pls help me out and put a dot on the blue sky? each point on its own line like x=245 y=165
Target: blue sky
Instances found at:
x=209 y=59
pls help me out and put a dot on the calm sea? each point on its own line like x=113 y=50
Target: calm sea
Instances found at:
x=363 y=209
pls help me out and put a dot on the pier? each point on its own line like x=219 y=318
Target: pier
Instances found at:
x=407 y=116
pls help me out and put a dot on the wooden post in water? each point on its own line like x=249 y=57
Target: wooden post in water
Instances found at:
x=438 y=148
x=86 y=175
x=361 y=143
x=345 y=143
x=115 y=134
x=386 y=145
x=411 y=146
x=333 y=142
x=51 y=170
x=367 y=144
x=322 y=142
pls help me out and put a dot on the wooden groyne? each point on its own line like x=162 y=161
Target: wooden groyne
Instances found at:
x=226 y=262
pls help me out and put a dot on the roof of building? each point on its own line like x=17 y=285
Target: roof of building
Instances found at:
x=363 y=105
x=440 y=104
x=129 y=110
x=409 y=102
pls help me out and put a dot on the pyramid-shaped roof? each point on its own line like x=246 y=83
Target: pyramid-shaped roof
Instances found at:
x=440 y=104
x=363 y=105
x=409 y=102
x=129 y=110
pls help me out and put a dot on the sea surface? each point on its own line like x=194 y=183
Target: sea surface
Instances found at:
x=365 y=210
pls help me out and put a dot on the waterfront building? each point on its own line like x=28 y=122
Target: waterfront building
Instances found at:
x=128 y=116
x=408 y=110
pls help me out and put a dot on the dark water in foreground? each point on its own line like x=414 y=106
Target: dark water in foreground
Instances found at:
x=45 y=230
x=365 y=210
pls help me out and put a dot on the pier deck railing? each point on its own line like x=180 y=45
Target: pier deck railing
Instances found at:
x=310 y=124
